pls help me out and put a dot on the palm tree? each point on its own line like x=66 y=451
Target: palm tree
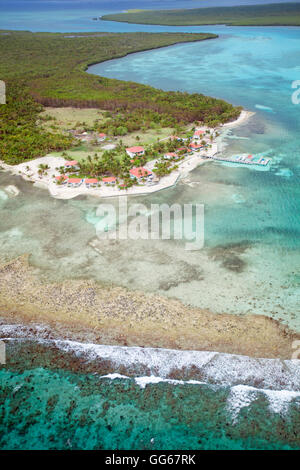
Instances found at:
x=43 y=168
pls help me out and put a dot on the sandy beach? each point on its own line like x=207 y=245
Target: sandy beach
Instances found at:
x=29 y=172
x=244 y=116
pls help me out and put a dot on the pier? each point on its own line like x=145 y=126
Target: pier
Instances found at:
x=241 y=159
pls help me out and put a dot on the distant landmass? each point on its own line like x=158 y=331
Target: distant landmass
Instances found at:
x=275 y=14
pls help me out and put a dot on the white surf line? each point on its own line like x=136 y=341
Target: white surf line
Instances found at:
x=214 y=367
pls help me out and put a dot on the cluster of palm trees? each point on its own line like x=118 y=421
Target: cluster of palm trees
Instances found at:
x=43 y=169
x=116 y=162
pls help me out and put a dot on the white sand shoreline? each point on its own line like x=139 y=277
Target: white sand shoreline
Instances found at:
x=29 y=172
x=244 y=116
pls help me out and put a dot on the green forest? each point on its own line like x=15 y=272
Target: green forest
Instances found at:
x=50 y=69
x=285 y=14
x=21 y=138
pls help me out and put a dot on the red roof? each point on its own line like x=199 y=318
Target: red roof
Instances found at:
x=199 y=132
x=182 y=149
x=91 y=181
x=109 y=179
x=250 y=156
x=71 y=163
x=195 y=146
x=135 y=149
x=139 y=172
x=74 y=180
x=171 y=154
x=61 y=177
x=102 y=134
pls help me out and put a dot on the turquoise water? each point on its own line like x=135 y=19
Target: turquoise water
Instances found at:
x=46 y=409
x=254 y=67
x=250 y=263
x=53 y=399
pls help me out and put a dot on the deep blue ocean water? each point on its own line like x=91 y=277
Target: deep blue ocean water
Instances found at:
x=53 y=398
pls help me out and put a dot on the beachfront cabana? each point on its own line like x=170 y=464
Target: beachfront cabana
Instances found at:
x=109 y=180
x=71 y=165
x=91 y=182
x=194 y=146
x=170 y=155
x=140 y=173
x=134 y=152
x=74 y=182
x=61 y=179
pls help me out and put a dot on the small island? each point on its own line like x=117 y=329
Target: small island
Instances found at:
x=277 y=14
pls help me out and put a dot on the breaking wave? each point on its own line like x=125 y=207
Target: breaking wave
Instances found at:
x=246 y=380
x=178 y=366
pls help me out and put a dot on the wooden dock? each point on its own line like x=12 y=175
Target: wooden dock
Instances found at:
x=242 y=160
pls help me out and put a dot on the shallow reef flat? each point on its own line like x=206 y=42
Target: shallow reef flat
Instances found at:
x=87 y=311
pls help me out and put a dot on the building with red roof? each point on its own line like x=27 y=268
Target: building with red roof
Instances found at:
x=182 y=149
x=101 y=137
x=139 y=173
x=170 y=155
x=135 y=151
x=61 y=179
x=91 y=182
x=71 y=163
x=196 y=146
x=199 y=134
x=75 y=182
x=109 y=180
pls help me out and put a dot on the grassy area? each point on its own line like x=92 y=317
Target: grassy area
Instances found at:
x=109 y=157
x=286 y=14
x=71 y=118
x=63 y=119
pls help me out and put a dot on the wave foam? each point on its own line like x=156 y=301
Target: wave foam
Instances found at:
x=242 y=396
x=204 y=366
